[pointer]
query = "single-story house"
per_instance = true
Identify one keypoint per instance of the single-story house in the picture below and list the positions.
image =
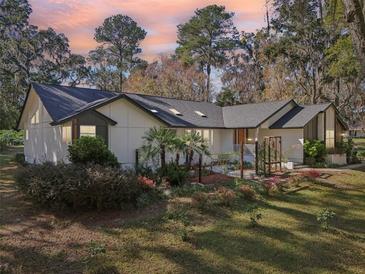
(53, 116)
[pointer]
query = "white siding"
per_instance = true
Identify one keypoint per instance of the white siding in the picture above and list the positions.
(291, 140)
(132, 124)
(44, 142)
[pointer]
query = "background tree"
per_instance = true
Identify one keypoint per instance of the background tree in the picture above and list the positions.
(121, 36)
(101, 74)
(28, 54)
(206, 39)
(168, 77)
(355, 15)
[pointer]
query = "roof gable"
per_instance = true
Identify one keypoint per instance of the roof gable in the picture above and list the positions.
(299, 116)
(62, 101)
(251, 115)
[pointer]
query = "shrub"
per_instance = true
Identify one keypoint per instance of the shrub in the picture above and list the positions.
(20, 159)
(311, 174)
(200, 200)
(11, 138)
(361, 154)
(91, 150)
(295, 180)
(80, 187)
(248, 192)
(271, 185)
(325, 216)
(255, 215)
(225, 196)
(315, 149)
(176, 175)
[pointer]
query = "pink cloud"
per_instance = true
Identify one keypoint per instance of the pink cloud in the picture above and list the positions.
(79, 18)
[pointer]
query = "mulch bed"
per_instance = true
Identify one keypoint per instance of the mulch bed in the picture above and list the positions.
(213, 179)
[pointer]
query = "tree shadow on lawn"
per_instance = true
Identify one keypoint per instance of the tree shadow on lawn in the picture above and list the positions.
(27, 259)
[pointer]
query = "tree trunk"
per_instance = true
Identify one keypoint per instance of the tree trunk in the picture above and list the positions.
(207, 94)
(320, 9)
(177, 159)
(121, 81)
(355, 16)
(163, 157)
(190, 159)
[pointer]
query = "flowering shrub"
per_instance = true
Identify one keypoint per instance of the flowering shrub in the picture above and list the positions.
(248, 192)
(295, 180)
(311, 174)
(200, 200)
(146, 181)
(271, 185)
(225, 196)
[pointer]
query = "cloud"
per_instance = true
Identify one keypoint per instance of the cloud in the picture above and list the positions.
(79, 18)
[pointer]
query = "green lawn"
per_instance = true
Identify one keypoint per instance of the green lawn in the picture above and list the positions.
(174, 237)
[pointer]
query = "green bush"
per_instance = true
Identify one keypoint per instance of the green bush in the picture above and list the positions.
(80, 187)
(314, 149)
(325, 216)
(91, 150)
(361, 154)
(11, 138)
(175, 174)
(20, 158)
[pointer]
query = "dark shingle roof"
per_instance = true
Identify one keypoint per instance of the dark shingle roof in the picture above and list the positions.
(62, 101)
(189, 118)
(250, 115)
(299, 116)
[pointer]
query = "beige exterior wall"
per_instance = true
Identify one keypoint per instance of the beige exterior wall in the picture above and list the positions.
(330, 127)
(292, 142)
(132, 124)
(43, 142)
(321, 126)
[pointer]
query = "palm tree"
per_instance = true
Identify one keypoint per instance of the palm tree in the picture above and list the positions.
(194, 143)
(158, 141)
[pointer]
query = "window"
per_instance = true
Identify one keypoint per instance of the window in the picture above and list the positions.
(88, 131)
(35, 118)
(201, 114)
(153, 110)
(66, 134)
(176, 112)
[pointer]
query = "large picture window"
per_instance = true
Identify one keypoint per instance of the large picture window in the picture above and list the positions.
(88, 131)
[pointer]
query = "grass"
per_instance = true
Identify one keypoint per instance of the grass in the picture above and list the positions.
(174, 237)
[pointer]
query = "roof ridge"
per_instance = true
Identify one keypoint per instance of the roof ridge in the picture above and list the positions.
(260, 103)
(64, 86)
(165, 97)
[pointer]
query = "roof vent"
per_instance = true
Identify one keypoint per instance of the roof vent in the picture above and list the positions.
(174, 111)
(201, 114)
(153, 110)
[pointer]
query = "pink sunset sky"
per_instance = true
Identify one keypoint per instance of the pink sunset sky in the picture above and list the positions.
(77, 19)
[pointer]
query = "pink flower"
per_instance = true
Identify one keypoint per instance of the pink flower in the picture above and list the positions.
(146, 181)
